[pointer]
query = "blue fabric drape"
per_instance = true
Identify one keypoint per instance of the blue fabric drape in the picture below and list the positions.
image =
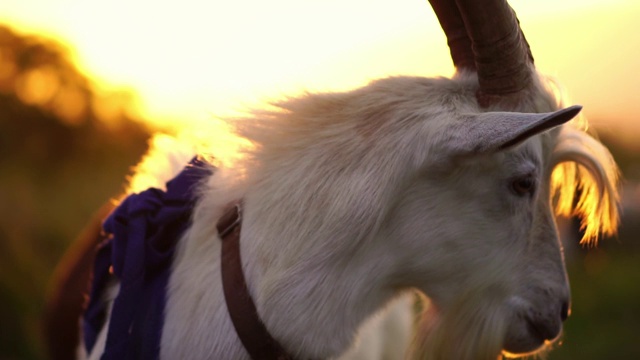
(143, 232)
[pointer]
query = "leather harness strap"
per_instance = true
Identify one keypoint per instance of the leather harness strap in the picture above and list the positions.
(252, 333)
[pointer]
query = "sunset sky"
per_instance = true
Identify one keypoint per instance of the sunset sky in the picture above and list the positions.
(189, 60)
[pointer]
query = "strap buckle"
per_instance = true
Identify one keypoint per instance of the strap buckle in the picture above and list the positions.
(230, 220)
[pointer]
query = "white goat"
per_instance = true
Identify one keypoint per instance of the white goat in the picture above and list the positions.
(351, 200)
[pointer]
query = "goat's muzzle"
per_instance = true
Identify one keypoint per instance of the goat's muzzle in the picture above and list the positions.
(534, 328)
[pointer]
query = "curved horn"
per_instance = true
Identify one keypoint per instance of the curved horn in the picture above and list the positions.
(457, 38)
(502, 55)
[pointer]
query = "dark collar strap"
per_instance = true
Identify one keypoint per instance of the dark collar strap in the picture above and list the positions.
(252, 333)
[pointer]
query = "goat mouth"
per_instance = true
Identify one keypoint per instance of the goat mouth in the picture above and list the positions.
(545, 334)
(536, 332)
(538, 337)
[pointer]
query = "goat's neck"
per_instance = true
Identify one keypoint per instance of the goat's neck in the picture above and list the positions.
(311, 297)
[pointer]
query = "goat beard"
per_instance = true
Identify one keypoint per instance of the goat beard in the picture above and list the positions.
(474, 328)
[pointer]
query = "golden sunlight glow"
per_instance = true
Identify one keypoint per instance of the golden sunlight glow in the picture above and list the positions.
(37, 86)
(584, 184)
(168, 154)
(154, 170)
(191, 60)
(590, 203)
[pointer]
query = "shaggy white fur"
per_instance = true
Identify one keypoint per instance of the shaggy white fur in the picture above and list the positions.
(353, 199)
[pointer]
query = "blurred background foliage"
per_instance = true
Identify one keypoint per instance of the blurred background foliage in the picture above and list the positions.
(66, 146)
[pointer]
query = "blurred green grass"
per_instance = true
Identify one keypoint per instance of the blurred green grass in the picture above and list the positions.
(606, 307)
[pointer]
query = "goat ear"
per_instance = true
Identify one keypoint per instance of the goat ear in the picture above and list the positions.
(494, 131)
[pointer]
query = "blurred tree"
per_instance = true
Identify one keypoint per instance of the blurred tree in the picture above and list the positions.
(65, 146)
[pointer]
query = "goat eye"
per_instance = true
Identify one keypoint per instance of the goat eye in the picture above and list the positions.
(524, 185)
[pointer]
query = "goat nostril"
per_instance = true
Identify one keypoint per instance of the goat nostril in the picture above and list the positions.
(565, 311)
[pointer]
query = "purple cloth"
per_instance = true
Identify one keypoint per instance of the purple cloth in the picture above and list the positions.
(144, 230)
